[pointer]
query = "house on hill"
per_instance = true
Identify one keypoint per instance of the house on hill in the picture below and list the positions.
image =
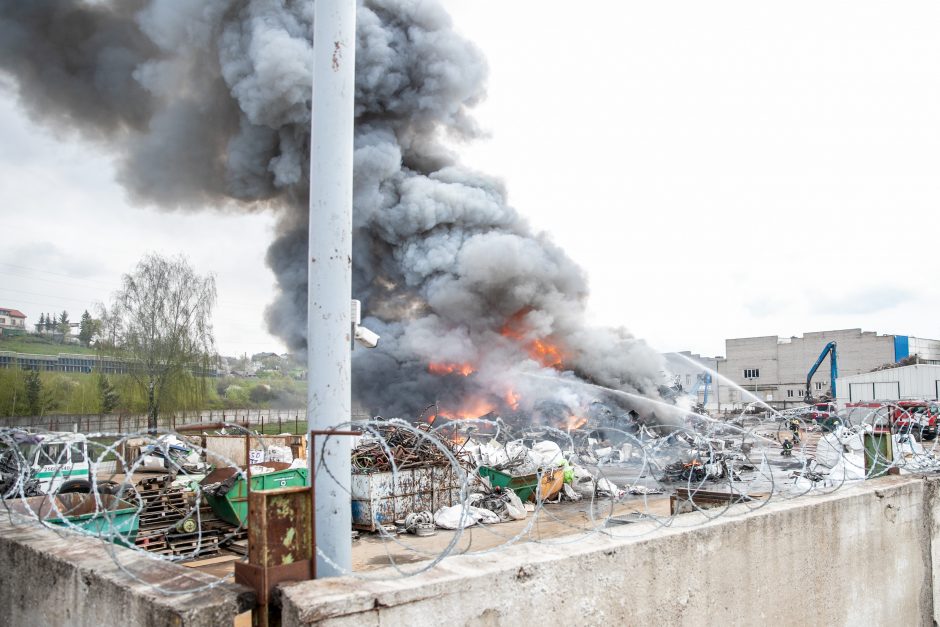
(12, 321)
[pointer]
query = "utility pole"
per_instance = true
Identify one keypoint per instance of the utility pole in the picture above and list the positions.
(329, 279)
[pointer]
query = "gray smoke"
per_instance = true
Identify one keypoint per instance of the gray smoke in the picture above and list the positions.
(208, 103)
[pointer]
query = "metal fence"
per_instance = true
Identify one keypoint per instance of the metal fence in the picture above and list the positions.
(264, 419)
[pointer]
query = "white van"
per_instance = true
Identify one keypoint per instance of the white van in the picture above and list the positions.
(57, 458)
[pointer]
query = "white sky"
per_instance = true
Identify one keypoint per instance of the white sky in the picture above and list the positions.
(720, 169)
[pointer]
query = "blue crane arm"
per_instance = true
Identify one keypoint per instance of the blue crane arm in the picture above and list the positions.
(830, 350)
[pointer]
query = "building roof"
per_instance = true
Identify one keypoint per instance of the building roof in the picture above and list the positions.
(16, 313)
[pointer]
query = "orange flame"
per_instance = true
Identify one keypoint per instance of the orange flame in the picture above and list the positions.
(470, 408)
(447, 368)
(575, 422)
(512, 399)
(539, 349)
(546, 354)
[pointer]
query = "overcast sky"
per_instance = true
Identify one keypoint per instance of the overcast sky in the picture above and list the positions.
(720, 169)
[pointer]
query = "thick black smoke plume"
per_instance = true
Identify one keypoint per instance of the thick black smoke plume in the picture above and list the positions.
(208, 104)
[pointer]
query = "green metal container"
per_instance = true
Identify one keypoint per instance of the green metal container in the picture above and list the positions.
(878, 453)
(522, 485)
(113, 518)
(227, 491)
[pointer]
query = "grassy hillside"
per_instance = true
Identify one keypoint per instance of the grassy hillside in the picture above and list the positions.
(80, 393)
(37, 345)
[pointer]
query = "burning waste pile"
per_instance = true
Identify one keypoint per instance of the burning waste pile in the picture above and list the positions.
(460, 473)
(406, 477)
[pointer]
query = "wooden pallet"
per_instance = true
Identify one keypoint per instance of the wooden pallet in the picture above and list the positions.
(165, 507)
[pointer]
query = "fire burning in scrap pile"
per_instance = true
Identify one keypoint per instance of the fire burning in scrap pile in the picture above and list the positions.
(208, 104)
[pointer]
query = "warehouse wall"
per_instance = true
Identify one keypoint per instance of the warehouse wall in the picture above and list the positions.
(862, 555)
(907, 382)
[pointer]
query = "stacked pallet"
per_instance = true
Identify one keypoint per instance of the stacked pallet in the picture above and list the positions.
(169, 524)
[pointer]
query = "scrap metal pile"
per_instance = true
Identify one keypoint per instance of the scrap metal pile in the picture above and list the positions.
(408, 449)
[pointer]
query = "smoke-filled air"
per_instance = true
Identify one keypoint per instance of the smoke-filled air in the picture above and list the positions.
(207, 104)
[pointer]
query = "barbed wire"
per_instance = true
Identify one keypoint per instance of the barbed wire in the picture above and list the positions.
(101, 484)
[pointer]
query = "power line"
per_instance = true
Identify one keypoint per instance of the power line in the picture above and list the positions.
(10, 289)
(68, 276)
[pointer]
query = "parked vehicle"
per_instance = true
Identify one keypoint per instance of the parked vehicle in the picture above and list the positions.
(50, 460)
(919, 418)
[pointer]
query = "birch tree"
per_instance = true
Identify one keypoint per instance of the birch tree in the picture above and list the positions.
(162, 325)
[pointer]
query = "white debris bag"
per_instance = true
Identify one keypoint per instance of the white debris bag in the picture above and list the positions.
(608, 487)
(547, 453)
(492, 454)
(568, 492)
(450, 517)
(850, 467)
(829, 450)
(603, 452)
(583, 482)
(514, 508)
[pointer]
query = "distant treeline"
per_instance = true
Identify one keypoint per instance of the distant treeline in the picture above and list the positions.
(37, 393)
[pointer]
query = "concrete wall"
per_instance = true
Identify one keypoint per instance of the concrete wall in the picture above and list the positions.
(51, 580)
(860, 556)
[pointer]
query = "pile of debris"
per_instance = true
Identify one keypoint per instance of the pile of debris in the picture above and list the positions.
(408, 450)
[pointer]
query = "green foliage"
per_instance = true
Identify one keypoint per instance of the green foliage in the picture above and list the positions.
(93, 393)
(88, 329)
(107, 396)
(236, 394)
(33, 393)
(12, 392)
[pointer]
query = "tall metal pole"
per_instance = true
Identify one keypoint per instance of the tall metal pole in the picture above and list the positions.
(329, 280)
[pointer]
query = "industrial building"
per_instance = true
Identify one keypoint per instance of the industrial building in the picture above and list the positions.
(774, 369)
(919, 381)
(71, 362)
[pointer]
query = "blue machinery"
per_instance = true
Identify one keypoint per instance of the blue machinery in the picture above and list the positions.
(829, 350)
(701, 379)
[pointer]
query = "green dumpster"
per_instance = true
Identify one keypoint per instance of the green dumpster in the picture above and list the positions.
(108, 517)
(522, 485)
(227, 491)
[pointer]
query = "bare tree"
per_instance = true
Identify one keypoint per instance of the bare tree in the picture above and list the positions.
(161, 320)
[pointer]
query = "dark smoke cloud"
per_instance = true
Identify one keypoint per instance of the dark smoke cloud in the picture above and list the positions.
(208, 103)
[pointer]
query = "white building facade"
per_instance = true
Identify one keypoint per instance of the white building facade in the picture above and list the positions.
(773, 370)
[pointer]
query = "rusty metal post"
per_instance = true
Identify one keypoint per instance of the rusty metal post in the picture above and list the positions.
(278, 551)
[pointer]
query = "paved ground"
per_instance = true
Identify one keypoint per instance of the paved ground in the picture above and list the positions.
(373, 551)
